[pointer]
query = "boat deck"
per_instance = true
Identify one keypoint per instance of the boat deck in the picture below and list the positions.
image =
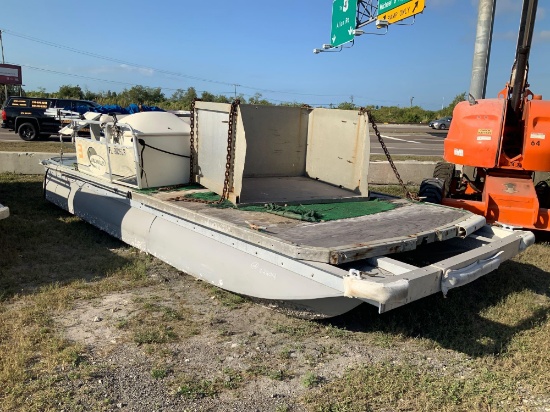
(337, 241)
(401, 229)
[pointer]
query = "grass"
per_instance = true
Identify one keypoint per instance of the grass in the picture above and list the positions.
(394, 190)
(484, 347)
(49, 260)
(310, 380)
(495, 325)
(154, 334)
(227, 299)
(158, 373)
(193, 389)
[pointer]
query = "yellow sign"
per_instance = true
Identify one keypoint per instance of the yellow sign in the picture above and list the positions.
(404, 11)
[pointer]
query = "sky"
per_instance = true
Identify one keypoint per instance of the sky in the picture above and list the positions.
(246, 47)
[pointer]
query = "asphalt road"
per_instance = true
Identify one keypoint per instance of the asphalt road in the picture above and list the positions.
(7, 135)
(418, 140)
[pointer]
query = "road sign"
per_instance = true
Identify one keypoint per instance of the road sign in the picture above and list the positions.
(344, 13)
(402, 12)
(387, 5)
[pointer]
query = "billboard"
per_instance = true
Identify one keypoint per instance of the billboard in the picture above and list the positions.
(10, 74)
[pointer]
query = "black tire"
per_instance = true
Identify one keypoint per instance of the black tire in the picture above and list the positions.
(27, 132)
(431, 191)
(444, 171)
(543, 194)
(442, 126)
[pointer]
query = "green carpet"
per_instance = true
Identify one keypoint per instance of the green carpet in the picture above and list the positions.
(318, 212)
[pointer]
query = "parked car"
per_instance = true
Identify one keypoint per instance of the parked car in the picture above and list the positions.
(442, 124)
(27, 116)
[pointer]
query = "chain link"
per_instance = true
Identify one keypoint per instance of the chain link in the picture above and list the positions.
(408, 194)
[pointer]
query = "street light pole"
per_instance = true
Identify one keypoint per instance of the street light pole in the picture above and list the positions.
(482, 48)
(3, 61)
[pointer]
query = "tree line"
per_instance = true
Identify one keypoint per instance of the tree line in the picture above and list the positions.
(181, 100)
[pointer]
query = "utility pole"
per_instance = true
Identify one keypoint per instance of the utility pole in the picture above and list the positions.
(482, 49)
(412, 101)
(235, 89)
(3, 61)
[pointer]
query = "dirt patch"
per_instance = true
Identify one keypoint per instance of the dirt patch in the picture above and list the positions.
(225, 356)
(92, 323)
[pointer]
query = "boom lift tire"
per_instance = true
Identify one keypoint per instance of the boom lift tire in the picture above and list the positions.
(445, 172)
(543, 193)
(431, 190)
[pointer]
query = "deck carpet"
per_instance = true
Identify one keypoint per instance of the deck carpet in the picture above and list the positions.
(317, 212)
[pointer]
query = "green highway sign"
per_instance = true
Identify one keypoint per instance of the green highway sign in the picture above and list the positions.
(343, 21)
(387, 5)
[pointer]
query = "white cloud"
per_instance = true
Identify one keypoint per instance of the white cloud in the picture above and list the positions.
(120, 68)
(141, 70)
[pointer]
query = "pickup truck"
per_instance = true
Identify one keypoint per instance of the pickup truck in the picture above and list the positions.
(27, 116)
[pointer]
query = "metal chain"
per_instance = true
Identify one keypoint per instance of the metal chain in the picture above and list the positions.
(192, 142)
(230, 130)
(225, 193)
(408, 194)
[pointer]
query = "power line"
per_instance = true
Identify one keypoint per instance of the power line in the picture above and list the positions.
(111, 59)
(167, 72)
(162, 71)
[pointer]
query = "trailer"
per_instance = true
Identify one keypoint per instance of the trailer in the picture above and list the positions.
(272, 203)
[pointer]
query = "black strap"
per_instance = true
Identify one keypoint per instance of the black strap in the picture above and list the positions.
(142, 142)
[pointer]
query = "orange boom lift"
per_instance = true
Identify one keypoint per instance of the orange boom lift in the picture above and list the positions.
(500, 144)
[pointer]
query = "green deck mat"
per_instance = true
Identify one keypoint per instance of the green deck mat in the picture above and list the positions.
(318, 212)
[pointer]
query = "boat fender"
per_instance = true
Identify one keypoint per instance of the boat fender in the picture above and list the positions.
(382, 293)
(453, 278)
